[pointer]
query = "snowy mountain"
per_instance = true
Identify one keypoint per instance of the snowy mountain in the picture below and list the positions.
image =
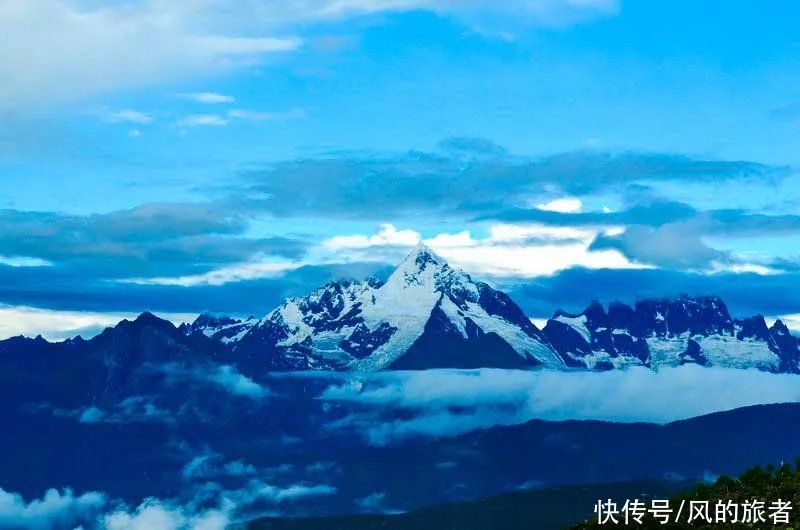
(426, 315)
(430, 315)
(658, 333)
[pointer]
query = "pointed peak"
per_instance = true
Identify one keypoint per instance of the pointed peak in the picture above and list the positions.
(595, 308)
(147, 316)
(421, 255)
(149, 319)
(212, 319)
(779, 327)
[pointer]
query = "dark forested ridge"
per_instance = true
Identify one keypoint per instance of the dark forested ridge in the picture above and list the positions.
(554, 508)
(540, 509)
(768, 484)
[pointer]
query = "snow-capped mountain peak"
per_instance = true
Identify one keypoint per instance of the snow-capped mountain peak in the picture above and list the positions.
(426, 314)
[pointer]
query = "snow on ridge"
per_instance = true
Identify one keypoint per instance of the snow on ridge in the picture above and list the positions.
(577, 323)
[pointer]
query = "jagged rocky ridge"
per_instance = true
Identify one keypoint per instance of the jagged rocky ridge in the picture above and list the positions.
(427, 314)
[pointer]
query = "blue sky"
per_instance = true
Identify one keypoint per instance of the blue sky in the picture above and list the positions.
(186, 156)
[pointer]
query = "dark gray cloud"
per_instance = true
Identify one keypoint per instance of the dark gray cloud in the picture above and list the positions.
(677, 245)
(461, 180)
(573, 289)
(655, 212)
(681, 243)
(742, 223)
(69, 289)
(159, 239)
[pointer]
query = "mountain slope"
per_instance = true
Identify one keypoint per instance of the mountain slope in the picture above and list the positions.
(112, 364)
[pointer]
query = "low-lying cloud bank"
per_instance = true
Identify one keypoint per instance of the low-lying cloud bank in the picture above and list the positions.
(54, 510)
(390, 405)
(212, 508)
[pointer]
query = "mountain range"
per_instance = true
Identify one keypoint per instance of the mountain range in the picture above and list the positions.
(428, 314)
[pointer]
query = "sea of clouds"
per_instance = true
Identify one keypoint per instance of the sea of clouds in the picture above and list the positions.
(391, 405)
(385, 407)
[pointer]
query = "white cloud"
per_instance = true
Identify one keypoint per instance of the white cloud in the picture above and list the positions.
(24, 261)
(563, 205)
(210, 465)
(372, 501)
(294, 492)
(203, 120)
(55, 509)
(59, 325)
(524, 250)
(156, 515)
(507, 233)
(461, 239)
(62, 50)
(534, 259)
(228, 378)
(487, 397)
(128, 115)
(209, 98)
(538, 12)
(743, 268)
(387, 235)
(58, 50)
(223, 376)
(216, 510)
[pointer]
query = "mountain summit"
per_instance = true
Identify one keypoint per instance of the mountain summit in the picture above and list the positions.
(426, 315)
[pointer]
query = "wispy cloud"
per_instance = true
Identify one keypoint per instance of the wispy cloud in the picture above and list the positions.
(211, 465)
(222, 376)
(129, 116)
(251, 270)
(208, 98)
(252, 115)
(203, 120)
(200, 120)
